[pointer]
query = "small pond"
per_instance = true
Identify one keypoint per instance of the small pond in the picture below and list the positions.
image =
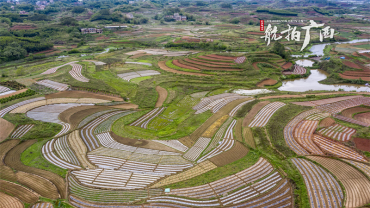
(312, 83)
(304, 62)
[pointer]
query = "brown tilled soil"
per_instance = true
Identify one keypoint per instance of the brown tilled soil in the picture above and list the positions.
(81, 94)
(142, 143)
(365, 54)
(223, 111)
(215, 59)
(205, 64)
(7, 173)
(351, 65)
(349, 112)
(287, 65)
(39, 184)
(187, 141)
(326, 122)
(75, 115)
(22, 193)
(177, 63)
(162, 65)
(213, 62)
(221, 57)
(125, 106)
(267, 82)
(162, 95)
(237, 152)
(253, 112)
(5, 147)
(364, 117)
(14, 93)
(201, 66)
(6, 128)
(13, 160)
(362, 144)
(354, 77)
(102, 38)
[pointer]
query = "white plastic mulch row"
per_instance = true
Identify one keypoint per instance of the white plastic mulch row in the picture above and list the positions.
(194, 152)
(318, 116)
(337, 149)
(226, 144)
(76, 73)
(341, 105)
(339, 132)
(10, 108)
(21, 130)
(140, 63)
(219, 135)
(7, 92)
(240, 60)
(53, 85)
(303, 133)
(145, 123)
(114, 179)
(107, 141)
(113, 163)
(207, 100)
(3, 89)
(233, 111)
(264, 115)
(299, 70)
(216, 104)
(351, 120)
(65, 128)
(289, 130)
(319, 183)
(53, 70)
(47, 152)
(43, 205)
(87, 133)
(144, 117)
(175, 144)
(131, 75)
(64, 151)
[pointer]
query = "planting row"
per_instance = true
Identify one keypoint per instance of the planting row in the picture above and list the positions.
(131, 75)
(53, 85)
(303, 133)
(48, 153)
(350, 120)
(76, 73)
(175, 144)
(194, 152)
(53, 70)
(265, 114)
(216, 102)
(341, 105)
(21, 130)
(338, 132)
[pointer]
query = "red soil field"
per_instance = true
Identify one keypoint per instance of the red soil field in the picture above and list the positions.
(354, 77)
(365, 54)
(210, 58)
(364, 117)
(355, 54)
(287, 65)
(351, 65)
(266, 82)
(177, 63)
(222, 57)
(204, 64)
(362, 144)
(216, 68)
(211, 62)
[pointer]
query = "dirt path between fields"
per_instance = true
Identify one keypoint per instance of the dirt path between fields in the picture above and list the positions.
(162, 95)
(5, 128)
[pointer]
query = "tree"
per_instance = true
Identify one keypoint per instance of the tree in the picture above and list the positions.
(280, 50)
(184, 3)
(70, 21)
(78, 9)
(14, 51)
(201, 3)
(226, 5)
(235, 21)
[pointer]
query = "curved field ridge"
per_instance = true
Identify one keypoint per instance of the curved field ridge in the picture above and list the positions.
(226, 144)
(93, 116)
(21, 130)
(109, 196)
(197, 170)
(78, 146)
(131, 75)
(53, 85)
(87, 131)
(357, 186)
(343, 118)
(53, 70)
(338, 132)
(107, 141)
(24, 194)
(365, 168)
(218, 136)
(216, 102)
(363, 117)
(289, 129)
(145, 124)
(162, 95)
(48, 153)
(76, 73)
(323, 190)
(163, 66)
(144, 117)
(10, 108)
(175, 144)
(233, 111)
(261, 169)
(194, 152)
(7, 201)
(177, 63)
(337, 149)
(326, 101)
(341, 105)
(43, 205)
(349, 112)
(303, 133)
(115, 179)
(107, 124)
(265, 114)
(317, 116)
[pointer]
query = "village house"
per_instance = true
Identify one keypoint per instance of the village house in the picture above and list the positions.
(90, 30)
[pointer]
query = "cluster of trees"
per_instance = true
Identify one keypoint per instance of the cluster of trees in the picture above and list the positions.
(14, 48)
(279, 49)
(277, 12)
(105, 14)
(21, 95)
